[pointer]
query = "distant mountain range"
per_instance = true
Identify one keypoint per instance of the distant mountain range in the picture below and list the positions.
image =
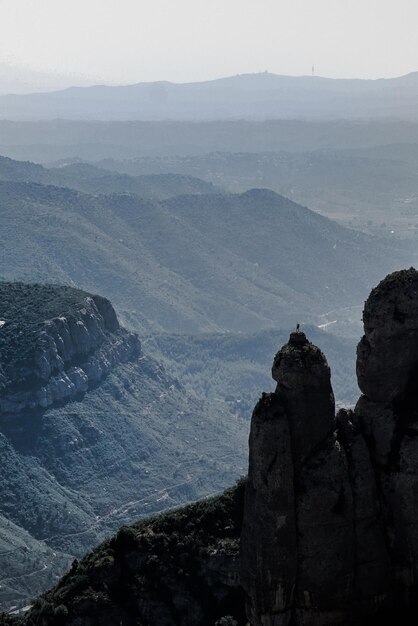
(247, 96)
(63, 140)
(97, 180)
(190, 263)
(373, 190)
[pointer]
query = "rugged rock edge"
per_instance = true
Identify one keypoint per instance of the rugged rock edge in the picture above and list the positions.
(72, 352)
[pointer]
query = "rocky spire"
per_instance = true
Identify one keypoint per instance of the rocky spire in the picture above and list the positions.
(297, 557)
(304, 382)
(330, 525)
(387, 371)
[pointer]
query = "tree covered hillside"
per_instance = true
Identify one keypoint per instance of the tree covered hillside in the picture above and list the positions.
(179, 567)
(97, 180)
(129, 442)
(235, 262)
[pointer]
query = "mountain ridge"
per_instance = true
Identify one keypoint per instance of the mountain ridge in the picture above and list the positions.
(122, 245)
(245, 96)
(53, 140)
(210, 274)
(96, 180)
(99, 435)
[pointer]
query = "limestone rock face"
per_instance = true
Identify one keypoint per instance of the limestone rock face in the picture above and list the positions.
(70, 353)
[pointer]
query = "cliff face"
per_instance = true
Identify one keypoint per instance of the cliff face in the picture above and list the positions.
(387, 370)
(94, 434)
(330, 528)
(43, 362)
(298, 525)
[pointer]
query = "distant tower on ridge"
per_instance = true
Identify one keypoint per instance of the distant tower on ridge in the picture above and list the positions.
(313, 70)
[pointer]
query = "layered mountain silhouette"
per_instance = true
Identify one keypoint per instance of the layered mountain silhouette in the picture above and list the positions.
(246, 96)
(369, 189)
(64, 140)
(97, 180)
(205, 262)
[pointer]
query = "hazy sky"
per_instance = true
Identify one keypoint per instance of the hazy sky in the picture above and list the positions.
(181, 40)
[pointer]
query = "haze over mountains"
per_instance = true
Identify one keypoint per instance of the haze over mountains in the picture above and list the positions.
(95, 180)
(370, 189)
(246, 96)
(211, 238)
(205, 262)
(177, 255)
(15, 79)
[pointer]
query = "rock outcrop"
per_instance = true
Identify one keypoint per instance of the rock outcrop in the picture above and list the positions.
(330, 530)
(63, 355)
(387, 371)
(134, 443)
(298, 525)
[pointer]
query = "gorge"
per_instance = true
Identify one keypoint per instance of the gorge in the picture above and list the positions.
(323, 531)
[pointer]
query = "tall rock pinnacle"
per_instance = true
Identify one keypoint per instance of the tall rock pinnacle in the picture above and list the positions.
(330, 531)
(387, 371)
(297, 538)
(303, 381)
